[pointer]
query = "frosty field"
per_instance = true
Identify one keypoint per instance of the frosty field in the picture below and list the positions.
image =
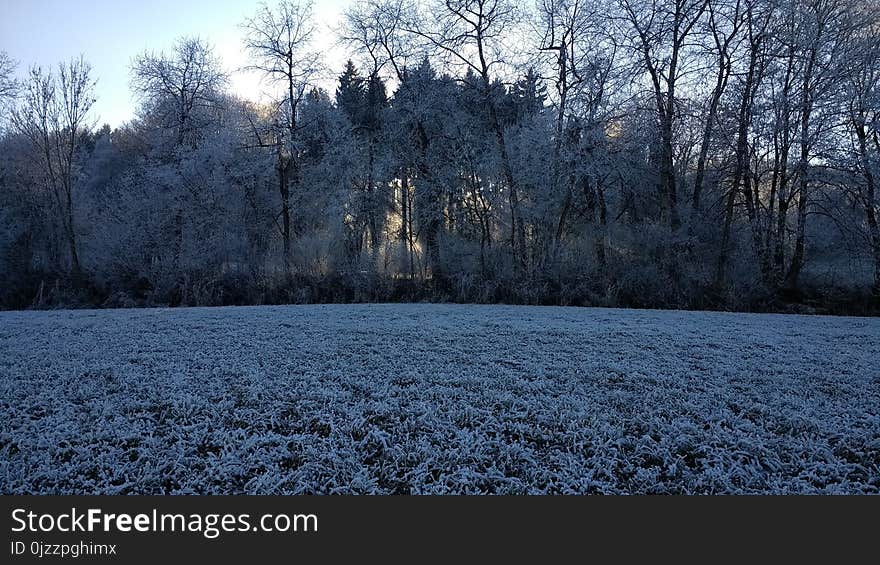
(437, 399)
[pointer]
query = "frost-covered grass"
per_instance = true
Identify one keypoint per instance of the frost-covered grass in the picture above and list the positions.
(437, 399)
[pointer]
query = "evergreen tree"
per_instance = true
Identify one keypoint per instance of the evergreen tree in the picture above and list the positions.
(350, 93)
(528, 95)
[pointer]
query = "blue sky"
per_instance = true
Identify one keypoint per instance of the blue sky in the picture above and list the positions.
(109, 33)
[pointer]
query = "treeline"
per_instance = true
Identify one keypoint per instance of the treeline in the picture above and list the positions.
(684, 154)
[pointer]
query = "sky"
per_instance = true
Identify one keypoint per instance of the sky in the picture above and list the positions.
(110, 33)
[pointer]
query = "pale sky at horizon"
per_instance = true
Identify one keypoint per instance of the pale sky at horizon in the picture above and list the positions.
(109, 34)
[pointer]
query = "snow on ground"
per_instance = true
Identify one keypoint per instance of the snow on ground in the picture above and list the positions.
(437, 399)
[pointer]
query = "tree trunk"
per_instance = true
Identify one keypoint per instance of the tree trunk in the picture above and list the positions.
(723, 257)
(720, 83)
(668, 173)
(284, 189)
(603, 227)
(875, 244)
(741, 170)
(797, 258)
(869, 201)
(562, 87)
(517, 231)
(784, 198)
(403, 234)
(71, 239)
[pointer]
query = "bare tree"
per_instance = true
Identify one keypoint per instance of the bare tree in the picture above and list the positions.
(374, 28)
(53, 115)
(8, 84)
(585, 69)
(824, 29)
(279, 39)
(183, 86)
(862, 94)
(756, 24)
(661, 29)
(784, 129)
(564, 22)
(725, 21)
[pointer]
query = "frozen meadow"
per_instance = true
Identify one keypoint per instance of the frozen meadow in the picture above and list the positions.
(437, 399)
